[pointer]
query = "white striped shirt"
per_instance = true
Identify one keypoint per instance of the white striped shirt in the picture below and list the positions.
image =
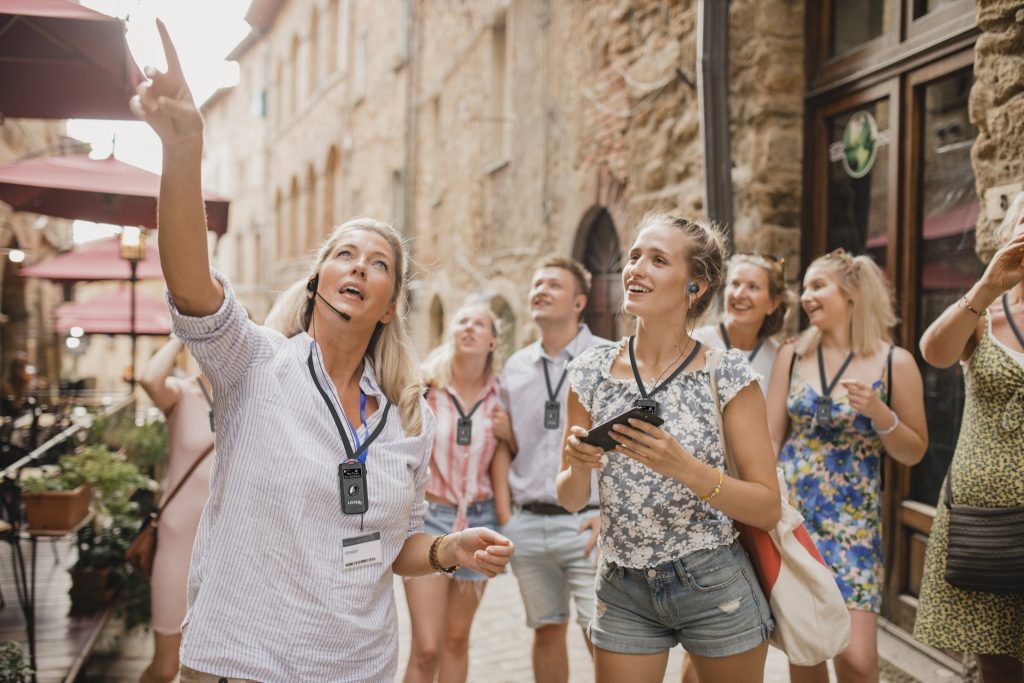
(524, 390)
(268, 596)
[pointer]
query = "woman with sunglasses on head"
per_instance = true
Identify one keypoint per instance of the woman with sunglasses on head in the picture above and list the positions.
(982, 330)
(840, 396)
(462, 392)
(756, 301)
(670, 558)
(323, 439)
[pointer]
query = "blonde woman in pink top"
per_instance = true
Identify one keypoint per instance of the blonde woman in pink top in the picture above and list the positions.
(189, 410)
(471, 426)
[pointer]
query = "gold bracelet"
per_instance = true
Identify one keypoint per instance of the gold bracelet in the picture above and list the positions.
(434, 564)
(964, 303)
(718, 487)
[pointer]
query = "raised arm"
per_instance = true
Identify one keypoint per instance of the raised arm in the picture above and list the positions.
(165, 103)
(154, 376)
(954, 334)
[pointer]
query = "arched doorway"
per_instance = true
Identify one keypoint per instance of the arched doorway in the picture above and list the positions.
(506, 329)
(597, 248)
(436, 322)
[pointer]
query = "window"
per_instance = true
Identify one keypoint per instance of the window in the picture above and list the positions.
(310, 227)
(330, 190)
(398, 199)
(332, 37)
(855, 22)
(436, 322)
(499, 91)
(293, 84)
(314, 49)
(294, 245)
(360, 84)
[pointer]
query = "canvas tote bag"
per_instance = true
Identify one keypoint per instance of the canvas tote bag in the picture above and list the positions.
(812, 622)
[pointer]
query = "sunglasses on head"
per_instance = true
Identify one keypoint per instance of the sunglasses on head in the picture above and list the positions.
(773, 259)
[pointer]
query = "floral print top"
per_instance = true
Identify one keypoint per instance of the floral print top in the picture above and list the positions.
(648, 519)
(834, 479)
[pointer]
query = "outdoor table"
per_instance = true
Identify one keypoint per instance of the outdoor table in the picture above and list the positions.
(25, 582)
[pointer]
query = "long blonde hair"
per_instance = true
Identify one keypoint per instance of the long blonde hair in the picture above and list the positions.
(872, 315)
(391, 352)
(437, 368)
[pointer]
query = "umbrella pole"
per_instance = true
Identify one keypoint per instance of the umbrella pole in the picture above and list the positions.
(134, 278)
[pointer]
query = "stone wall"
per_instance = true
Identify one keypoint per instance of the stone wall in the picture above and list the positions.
(26, 305)
(997, 105)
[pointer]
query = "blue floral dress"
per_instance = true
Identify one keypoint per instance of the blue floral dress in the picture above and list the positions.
(834, 479)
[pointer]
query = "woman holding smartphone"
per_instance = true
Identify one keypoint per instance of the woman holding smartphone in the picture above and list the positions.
(670, 558)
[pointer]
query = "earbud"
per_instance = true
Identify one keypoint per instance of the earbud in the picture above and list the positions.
(311, 285)
(692, 288)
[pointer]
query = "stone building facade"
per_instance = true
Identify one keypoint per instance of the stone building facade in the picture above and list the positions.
(26, 305)
(493, 132)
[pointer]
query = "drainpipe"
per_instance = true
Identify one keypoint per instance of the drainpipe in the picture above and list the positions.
(713, 96)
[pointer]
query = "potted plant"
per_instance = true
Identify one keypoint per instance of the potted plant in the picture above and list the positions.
(13, 667)
(55, 500)
(100, 569)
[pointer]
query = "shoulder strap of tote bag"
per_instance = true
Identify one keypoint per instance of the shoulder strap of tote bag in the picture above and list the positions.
(184, 479)
(711, 364)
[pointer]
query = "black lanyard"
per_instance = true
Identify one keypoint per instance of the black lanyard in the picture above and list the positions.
(823, 407)
(209, 402)
(1013, 323)
(552, 407)
(464, 426)
(646, 402)
(361, 452)
(728, 344)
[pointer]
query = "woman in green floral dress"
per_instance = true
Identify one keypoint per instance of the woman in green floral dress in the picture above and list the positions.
(831, 434)
(988, 465)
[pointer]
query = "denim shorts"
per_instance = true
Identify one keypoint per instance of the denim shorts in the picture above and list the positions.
(553, 573)
(440, 519)
(708, 601)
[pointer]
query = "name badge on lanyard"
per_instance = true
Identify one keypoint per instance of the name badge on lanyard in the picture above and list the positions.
(360, 551)
(352, 475)
(552, 407)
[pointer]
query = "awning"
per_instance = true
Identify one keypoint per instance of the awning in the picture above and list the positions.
(99, 261)
(955, 220)
(99, 190)
(59, 60)
(110, 313)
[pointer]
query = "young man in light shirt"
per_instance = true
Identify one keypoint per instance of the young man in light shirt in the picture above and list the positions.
(554, 560)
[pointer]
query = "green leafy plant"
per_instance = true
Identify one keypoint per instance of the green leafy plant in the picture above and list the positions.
(13, 667)
(114, 480)
(146, 444)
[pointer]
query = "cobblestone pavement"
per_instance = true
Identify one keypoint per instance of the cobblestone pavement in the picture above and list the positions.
(499, 649)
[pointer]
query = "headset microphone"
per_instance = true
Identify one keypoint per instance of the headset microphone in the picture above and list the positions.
(312, 286)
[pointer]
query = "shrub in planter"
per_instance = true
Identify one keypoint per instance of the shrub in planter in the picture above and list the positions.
(13, 667)
(56, 500)
(100, 570)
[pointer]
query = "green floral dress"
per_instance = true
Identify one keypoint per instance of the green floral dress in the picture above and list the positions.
(834, 481)
(988, 470)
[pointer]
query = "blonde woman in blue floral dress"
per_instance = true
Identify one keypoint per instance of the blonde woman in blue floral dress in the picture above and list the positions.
(833, 432)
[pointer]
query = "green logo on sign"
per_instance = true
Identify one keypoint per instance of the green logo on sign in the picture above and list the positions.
(860, 144)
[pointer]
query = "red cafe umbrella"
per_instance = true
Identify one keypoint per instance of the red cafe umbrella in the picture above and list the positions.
(99, 190)
(109, 313)
(59, 60)
(99, 261)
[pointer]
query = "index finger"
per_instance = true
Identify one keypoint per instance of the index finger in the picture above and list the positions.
(644, 426)
(170, 53)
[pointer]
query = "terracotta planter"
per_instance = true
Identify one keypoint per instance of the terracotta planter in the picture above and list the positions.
(92, 589)
(57, 510)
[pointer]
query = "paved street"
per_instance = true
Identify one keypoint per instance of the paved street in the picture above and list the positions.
(500, 650)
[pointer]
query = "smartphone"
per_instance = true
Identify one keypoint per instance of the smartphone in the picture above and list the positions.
(601, 434)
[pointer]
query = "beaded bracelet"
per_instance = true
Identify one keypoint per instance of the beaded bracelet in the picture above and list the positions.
(434, 564)
(718, 487)
(964, 303)
(890, 430)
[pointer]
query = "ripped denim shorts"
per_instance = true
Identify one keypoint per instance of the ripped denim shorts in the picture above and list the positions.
(708, 601)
